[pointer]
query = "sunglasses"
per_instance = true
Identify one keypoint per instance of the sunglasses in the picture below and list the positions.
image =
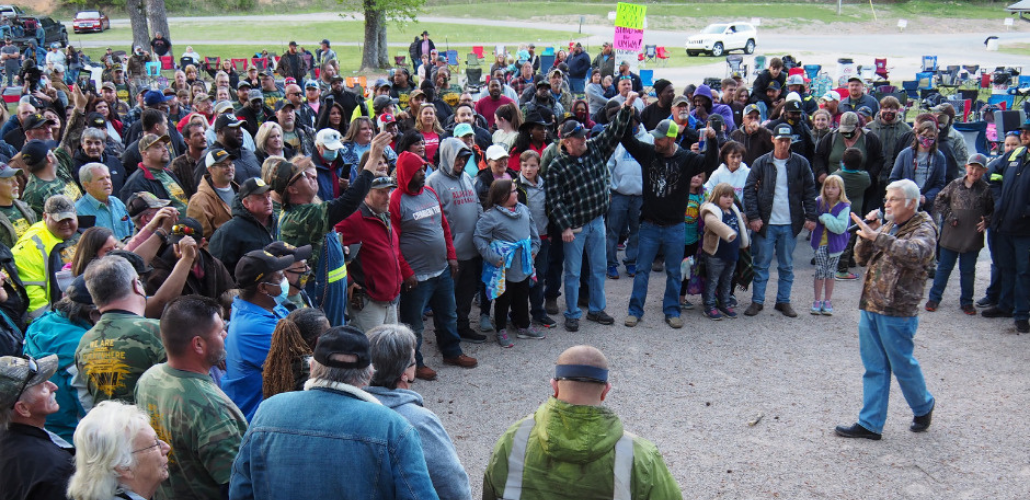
(33, 371)
(183, 229)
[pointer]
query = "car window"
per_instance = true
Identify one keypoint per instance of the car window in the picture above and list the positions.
(87, 15)
(745, 27)
(715, 29)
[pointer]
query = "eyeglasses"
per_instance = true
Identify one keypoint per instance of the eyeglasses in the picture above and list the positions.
(294, 93)
(306, 269)
(33, 370)
(572, 132)
(157, 444)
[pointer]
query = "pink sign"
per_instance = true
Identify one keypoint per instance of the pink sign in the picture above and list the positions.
(629, 39)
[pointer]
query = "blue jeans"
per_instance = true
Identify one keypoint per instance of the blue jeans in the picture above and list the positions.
(994, 288)
(718, 281)
(1014, 270)
(623, 210)
(555, 263)
(670, 240)
(778, 239)
(437, 292)
(886, 345)
(577, 84)
(967, 274)
(536, 288)
(590, 238)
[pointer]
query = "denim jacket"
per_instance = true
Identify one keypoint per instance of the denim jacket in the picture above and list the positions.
(331, 440)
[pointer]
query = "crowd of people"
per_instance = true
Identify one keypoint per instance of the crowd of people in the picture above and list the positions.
(207, 287)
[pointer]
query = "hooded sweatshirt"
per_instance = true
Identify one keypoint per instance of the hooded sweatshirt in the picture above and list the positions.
(535, 198)
(504, 224)
(715, 108)
(418, 218)
(450, 480)
(457, 197)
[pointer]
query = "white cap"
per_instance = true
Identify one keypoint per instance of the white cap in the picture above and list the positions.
(329, 138)
(496, 152)
(793, 96)
(832, 96)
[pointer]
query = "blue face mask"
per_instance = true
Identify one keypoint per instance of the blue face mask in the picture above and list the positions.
(284, 292)
(330, 155)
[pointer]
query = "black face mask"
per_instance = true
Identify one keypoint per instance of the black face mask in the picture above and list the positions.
(847, 135)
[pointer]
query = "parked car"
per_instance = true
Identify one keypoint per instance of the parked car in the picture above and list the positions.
(718, 39)
(11, 11)
(44, 30)
(88, 21)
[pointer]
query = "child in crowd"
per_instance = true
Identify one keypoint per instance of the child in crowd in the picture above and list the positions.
(725, 234)
(829, 239)
(507, 238)
(733, 170)
(531, 193)
(856, 181)
(692, 282)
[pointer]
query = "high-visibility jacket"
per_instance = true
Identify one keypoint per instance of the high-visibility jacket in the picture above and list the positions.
(37, 262)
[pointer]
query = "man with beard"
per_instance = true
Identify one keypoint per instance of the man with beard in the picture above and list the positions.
(686, 123)
(152, 176)
(297, 135)
(188, 166)
(152, 122)
(757, 140)
(605, 61)
(229, 136)
(793, 117)
(496, 98)
(543, 98)
(187, 409)
(255, 112)
(660, 109)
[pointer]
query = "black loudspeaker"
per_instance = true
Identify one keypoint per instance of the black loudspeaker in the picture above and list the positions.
(1007, 121)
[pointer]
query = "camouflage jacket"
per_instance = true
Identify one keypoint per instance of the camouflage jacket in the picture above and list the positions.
(114, 354)
(960, 209)
(202, 425)
(897, 262)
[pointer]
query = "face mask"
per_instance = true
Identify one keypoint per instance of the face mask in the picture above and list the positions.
(926, 142)
(329, 155)
(888, 117)
(284, 292)
(944, 121)
(847, 135)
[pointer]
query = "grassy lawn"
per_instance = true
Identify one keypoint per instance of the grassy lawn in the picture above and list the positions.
(1019, 49)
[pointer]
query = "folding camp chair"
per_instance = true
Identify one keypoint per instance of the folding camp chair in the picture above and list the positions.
(948, 78)
(647, 81)
(153, 69)
(881, 68)
(478, 51)
(401, 59)
(548, 51)
(735, 64)
(167, 63)
(970, 74)
(663, 55)
(1003, 101)
(1021, 91)
(547, 60)
(911, 89)
(925, 80)
(812, 70)
(211, 64)
(759, 64)
(261, 63)
(650, 53)
(452, 60)
(975, 134)
(240, 65)
(930, 63)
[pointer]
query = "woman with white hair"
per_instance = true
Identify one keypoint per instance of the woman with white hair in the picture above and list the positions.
(117, 455)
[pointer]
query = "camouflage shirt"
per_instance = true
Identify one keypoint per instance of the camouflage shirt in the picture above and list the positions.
(114, 354)
(37, 191)
(202, 425)
(306, 225)
(898, 260)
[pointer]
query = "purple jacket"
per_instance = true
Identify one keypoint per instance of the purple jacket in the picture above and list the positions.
(715, 108)
(837, 235)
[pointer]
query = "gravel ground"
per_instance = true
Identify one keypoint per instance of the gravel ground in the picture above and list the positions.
(693, 391)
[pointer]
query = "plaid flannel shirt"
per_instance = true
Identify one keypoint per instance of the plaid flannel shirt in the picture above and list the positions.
(578, 187)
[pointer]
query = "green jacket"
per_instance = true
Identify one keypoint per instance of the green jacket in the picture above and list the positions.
(572, 452)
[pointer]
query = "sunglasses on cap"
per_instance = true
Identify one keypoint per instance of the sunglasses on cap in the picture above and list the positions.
(33, 370)
(573, 132)
(183, 229)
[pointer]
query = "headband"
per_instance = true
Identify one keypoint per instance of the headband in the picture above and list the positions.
(581, 373)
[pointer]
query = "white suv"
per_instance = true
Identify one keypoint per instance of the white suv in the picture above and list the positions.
(718, 39)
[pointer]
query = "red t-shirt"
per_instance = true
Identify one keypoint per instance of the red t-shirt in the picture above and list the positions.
(432, 144)
(487, 106)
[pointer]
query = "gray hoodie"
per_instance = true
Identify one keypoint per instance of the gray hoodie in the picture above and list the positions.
(536, 201)
(627, 176)
(445, 470)
(499, 223)
(458, 198)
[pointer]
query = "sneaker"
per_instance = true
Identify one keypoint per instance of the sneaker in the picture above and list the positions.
(969, 309)
(551, 306)
(733, 301)
(503, 339)
(922, 423)
(713, 313)
(613, 272)
(728, 312)
(425, 373)
(572, 324)
(601, 317)
(470, 336)
(545, 321)
(985, 303)
(827, 308)
(685, 305)
(620, 246)
(931, 305)
(817, 308)
(786, 309)
(674, 321)
(631, 270)
(813, 261)
(1022, 326)
(995, 312)
(530, 333)
(485, 323)
(856, 431)
(848, 276)
(657, 267)
(631, 321)
(754, 309)
(462, 361)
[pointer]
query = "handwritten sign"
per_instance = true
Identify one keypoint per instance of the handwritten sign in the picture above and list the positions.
(628, 15)
(629, 39)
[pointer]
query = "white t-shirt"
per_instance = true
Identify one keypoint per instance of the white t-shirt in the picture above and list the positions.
(781, 201)
(736, 179)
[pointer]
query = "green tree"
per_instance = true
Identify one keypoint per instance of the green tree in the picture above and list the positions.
(378, 13)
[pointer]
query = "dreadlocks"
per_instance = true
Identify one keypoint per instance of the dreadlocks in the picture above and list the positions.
(286, 368)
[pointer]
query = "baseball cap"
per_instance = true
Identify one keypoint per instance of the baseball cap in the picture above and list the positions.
(142, 201)
(149, 140)
(289, 80)
(336, 78)
(258, 265)
(227, 120)
(795, 80)
(680, 99)
(325, 41)
(441, 58)
(7, 171)
(215, 156)
(293, 43)
(751, 108)
(244, 83)
(382, 82)
(783, 131)
(571, 128)
(543, 83)
(1025, 125)
(496, 152)
(141, 267)
(187, 226)
(222, 107)
(416, 93)
(773, 85)
(977, 159)
(154, 97)
(463, 129)
(848, 122)
(665, 128)
(385, 119)
(18, 374)
(282, 249)
(865, 111)
(255, 95)
(36, 121)
(792, 106)
(329, 138)
(96, 120)
(108, 86)
(78, 292)
(311, 84)
(831, 96)
(555, 72)
(34, 152)
(254, 185)
(855, 78)
(383, 182)
(381, 102)
(168, 91)
(345, 340)
(59, 207)
(282, 104)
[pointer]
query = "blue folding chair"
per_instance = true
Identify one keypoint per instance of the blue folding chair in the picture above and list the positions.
(153, 69)
(647, 81)
(925, 80)
(930, 63)
(812, 70)
(911, 89)
(547, 60)
(975, 134)
(997, 99)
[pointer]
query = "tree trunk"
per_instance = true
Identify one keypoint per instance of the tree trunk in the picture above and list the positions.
(158, 18)
(385, 60)
(373, 21)
(138, 20)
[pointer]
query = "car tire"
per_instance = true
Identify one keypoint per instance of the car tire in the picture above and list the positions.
(717, 49)
(692, 53)
(750, 47)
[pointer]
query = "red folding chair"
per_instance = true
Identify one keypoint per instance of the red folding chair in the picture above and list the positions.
(167, 63)
(795, 71)
(240, 65)
(478, 51)
(260, 63)
(663, 56)
(211, 64)
(881, 68)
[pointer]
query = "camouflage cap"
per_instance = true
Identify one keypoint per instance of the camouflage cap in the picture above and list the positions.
(59, 207)
(142, 201)
(150, 139)
(18, 374)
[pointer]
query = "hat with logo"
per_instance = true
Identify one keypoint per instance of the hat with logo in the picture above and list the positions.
(34, 152)
(311, 84)
(848, 122)
(381, 102)
(496, 152)
(384, 182)
(555, 71)
(795, 80)
(751, 108)
(244, 83)
(329, 138)
(282, 249)
(416, 93)
(7, 171)
(977, 159)
(773, 85)
(571, 128)
(254, 185)
(154, 97)
(257, 265)
(285, 175)
(36, 121)
(346, 341)
(108, 86)
(20, 373)
(543, 82)
(282, 104)
(783, 132)
(382, 82)
(142, 201)
(187, 226)
(336, 78)
(255, 95)
(855, 78)
(222, 107)
(215, 156)
(149, 140)
(792, 107)
(665, 128)
(385, 119)
(865, 111)
(289, 80)
(831, 96)
(463, 129)
(96, 120)
(227, 120)
(680, 99)
(59, 207)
